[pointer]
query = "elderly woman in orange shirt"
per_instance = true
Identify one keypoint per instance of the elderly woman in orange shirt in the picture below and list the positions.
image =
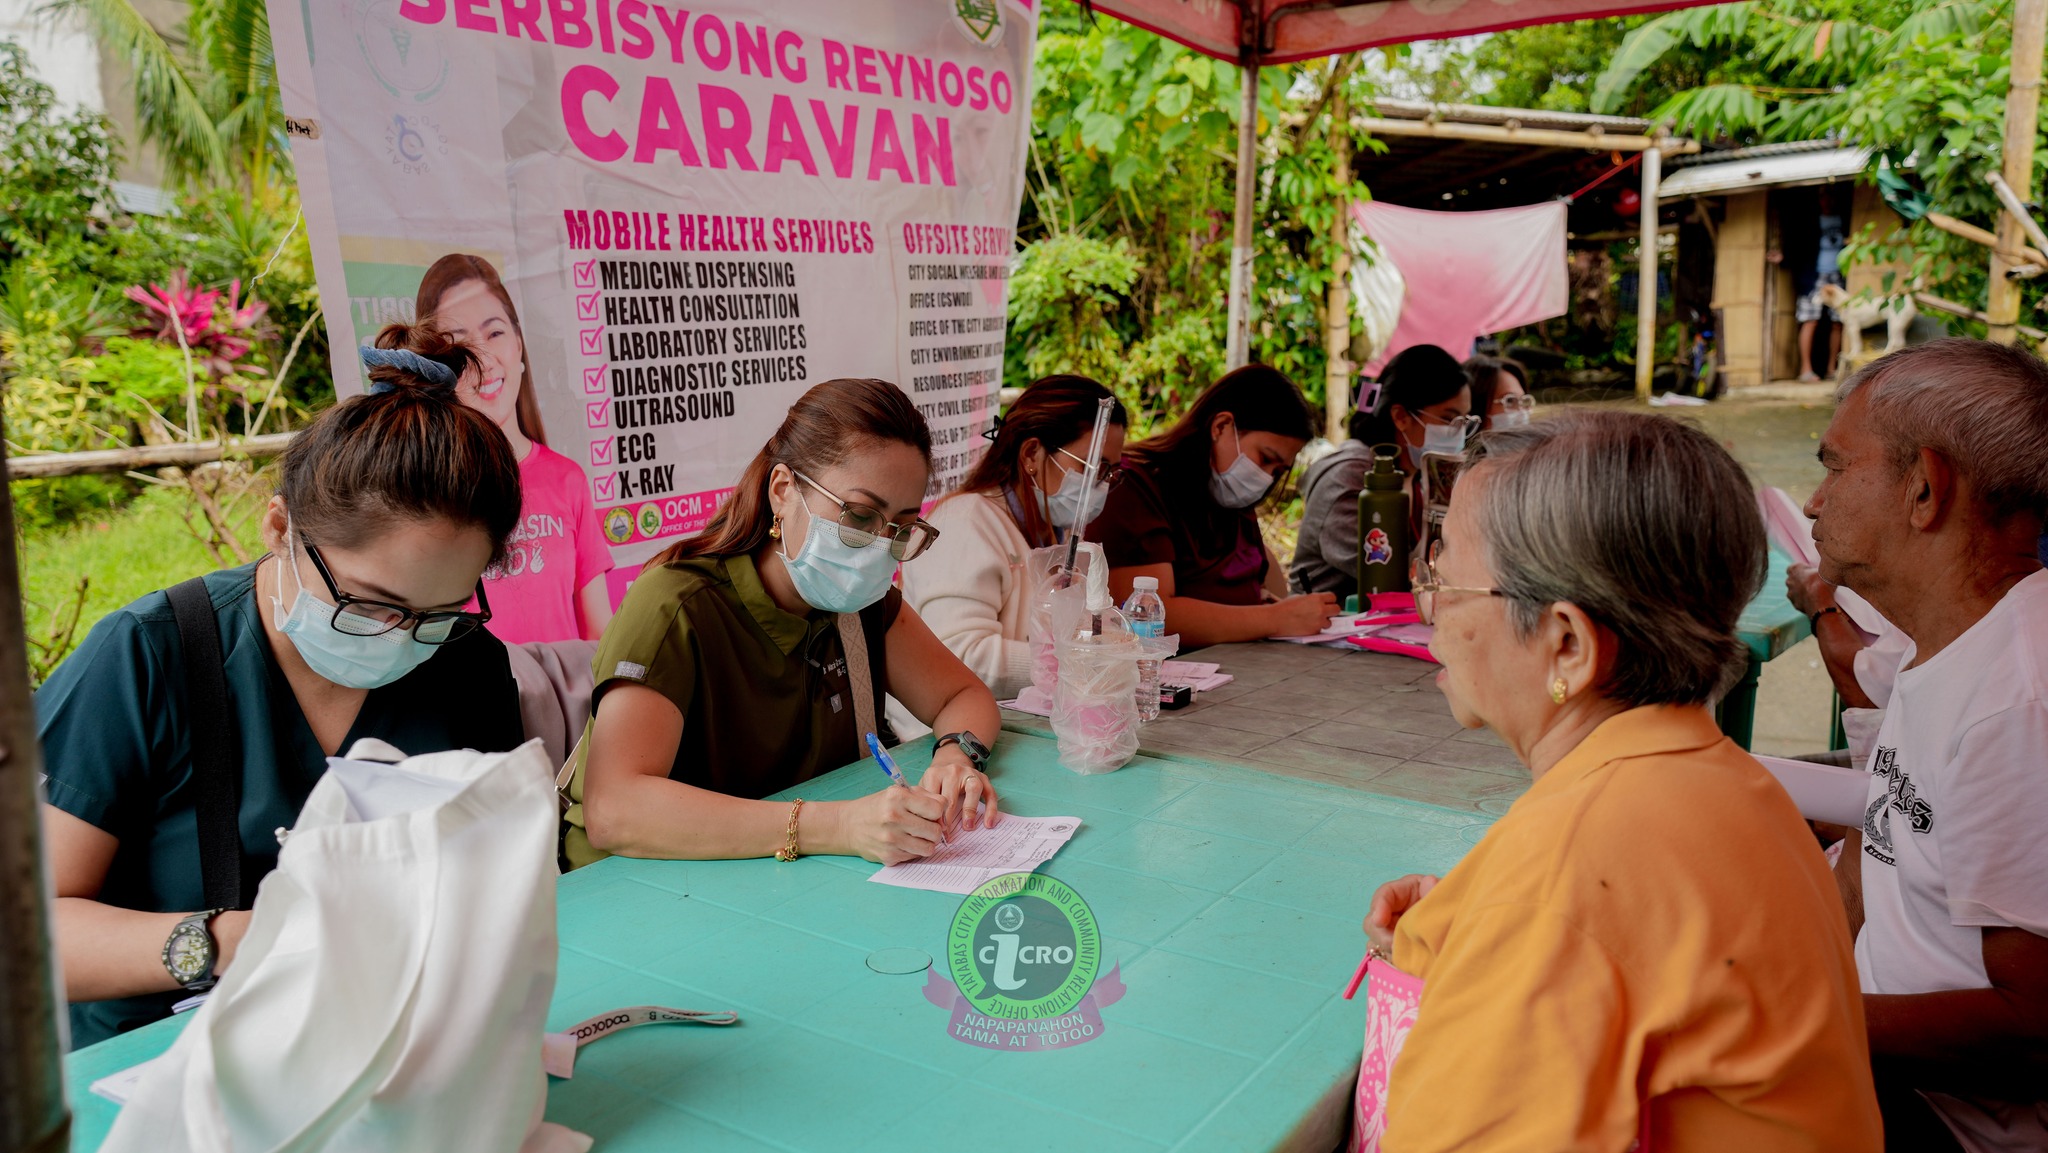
(1649, 939)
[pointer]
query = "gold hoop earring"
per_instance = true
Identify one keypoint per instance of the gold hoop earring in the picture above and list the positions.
(775, 530)
(1558, 690)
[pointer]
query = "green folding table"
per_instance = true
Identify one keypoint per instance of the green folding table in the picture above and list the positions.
(1229, 899)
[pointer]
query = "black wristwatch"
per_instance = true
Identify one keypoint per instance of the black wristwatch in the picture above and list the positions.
(969, 744)
(190, 953)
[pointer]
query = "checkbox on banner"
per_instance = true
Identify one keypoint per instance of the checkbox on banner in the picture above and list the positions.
(593, 378)
(586, 305)
(601, 451)
(599, 413)
(586, 274)
(607, 486)
(593, 340)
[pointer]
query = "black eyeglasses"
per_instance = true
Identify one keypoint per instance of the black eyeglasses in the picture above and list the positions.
(362, 617)
(861, 526)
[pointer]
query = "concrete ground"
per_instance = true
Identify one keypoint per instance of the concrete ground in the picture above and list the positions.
(1775, 431)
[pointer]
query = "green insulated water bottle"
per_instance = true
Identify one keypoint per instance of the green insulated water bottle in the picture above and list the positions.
(1382, 527)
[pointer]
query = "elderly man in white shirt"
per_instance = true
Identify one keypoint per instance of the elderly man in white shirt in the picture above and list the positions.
(1935, 497)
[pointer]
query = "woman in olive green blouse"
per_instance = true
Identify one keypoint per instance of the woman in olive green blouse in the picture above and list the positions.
(724, 677)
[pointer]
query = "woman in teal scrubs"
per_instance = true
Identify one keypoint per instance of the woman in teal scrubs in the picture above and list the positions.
(351, 625)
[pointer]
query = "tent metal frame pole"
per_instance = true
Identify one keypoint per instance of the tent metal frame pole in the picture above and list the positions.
(1646, 276)
(1239, 344)
(34, 1117)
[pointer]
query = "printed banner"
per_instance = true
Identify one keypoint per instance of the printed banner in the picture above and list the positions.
(661, 225)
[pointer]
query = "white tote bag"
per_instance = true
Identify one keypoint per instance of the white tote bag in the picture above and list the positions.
(391, 991)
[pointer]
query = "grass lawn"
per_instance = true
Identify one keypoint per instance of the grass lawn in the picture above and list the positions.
(123, 555)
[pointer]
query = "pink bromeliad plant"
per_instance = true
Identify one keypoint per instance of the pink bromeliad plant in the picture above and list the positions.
(218, 327)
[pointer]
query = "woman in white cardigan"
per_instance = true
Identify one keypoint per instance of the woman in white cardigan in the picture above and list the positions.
(1026, 493)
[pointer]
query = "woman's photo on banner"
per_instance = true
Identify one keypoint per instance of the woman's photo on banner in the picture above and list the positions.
(551, 584)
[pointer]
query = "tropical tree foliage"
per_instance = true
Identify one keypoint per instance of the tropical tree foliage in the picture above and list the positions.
(1920, 83)
(206, 92)
(1125, 270)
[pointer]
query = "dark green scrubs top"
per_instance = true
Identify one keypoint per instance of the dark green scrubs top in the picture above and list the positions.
(115, 729)
(765, 695)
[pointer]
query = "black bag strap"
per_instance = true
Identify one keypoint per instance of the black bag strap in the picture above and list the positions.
(216, 758)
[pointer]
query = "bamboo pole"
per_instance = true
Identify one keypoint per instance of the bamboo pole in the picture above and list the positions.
(1646, 277)
(2022, 122)
(1938, 304)
(1514, 134)
(2014, 257)
(1337, 314)
(1239, 343)
(144, 456)
(33, 1115)
(2018, 208)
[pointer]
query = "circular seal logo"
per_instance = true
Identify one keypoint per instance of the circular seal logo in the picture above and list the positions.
(618, 525)
(1024, 946)
(404, 61)
(981, 21)
(649, 518)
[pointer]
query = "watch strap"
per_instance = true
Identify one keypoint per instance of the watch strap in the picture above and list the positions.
(969, 744)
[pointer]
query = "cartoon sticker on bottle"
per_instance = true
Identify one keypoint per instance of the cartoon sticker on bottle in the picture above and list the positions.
(1378, 549)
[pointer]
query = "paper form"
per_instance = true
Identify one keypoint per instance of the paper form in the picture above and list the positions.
(975, 856)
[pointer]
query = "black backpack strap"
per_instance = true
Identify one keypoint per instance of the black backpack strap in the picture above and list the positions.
(216, 759)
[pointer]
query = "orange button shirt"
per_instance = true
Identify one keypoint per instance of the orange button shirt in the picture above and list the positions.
(1652, 920)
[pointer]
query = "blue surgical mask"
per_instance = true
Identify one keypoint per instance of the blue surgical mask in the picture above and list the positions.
(1244, 483)
(1074, 503)
(347, 659)
(834, 577)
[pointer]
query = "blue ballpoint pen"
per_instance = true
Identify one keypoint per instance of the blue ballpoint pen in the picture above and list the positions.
(888, 765)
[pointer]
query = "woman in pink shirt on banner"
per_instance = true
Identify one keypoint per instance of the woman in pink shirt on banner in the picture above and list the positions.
(551, 586)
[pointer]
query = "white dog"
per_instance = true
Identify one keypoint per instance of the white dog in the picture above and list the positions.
(1860, 312)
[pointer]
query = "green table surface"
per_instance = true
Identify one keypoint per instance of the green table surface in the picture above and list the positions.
(1230, 897)
(1770, 624)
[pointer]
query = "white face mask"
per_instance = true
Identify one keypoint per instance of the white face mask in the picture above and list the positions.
(1074, 503)
(1447, 438)
(346, 658)
(1244, 483)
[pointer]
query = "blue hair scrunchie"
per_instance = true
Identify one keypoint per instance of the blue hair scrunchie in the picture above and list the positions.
(405, 360)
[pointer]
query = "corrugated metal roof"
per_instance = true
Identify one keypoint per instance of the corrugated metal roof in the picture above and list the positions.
(1394, 109)
(1779, 171)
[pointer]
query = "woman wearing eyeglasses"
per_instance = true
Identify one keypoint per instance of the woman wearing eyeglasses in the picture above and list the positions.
(1422, 404)
(1027, 493)
(351, 625)
(1500, 392)
(727, 674)
(1651, 925)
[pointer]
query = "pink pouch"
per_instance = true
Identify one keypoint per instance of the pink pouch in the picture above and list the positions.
(1391, 1000)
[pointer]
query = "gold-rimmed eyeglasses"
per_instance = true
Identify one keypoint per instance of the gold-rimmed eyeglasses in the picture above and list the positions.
(861, 526)
(1430, 585)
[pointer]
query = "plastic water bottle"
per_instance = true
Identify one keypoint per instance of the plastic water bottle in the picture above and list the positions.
(1147, 616)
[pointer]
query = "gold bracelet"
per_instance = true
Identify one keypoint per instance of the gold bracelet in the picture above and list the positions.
(788, 851)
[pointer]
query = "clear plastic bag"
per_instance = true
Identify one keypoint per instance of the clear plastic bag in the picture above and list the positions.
(1095, 707)
(1046, 571)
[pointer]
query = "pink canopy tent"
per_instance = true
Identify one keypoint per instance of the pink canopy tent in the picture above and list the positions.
(1252, 33)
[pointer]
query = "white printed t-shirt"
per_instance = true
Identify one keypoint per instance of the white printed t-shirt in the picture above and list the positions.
(1953, 832)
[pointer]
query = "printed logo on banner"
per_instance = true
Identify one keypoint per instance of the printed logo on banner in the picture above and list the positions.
(408, 63)
(649, 518)
(1024, 953)
(981, 20)
(618, 525)
(413, 143)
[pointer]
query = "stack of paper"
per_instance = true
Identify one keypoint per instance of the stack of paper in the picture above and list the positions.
(973, 857)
